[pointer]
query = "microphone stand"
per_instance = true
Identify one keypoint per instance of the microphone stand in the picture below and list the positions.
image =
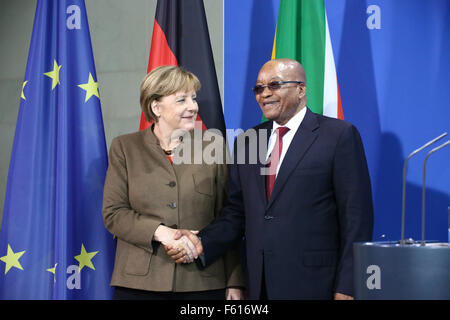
(402, 241)
(423, 188)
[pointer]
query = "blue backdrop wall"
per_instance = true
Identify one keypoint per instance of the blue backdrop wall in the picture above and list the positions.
(395, 87)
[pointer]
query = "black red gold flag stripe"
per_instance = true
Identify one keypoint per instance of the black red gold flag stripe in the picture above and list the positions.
(181, 37)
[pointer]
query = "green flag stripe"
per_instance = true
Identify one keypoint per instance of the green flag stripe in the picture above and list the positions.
(300, 35)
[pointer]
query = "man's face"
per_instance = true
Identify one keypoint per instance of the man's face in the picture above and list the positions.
(281, 104)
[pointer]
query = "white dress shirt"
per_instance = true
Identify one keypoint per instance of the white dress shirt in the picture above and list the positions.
(293, 125)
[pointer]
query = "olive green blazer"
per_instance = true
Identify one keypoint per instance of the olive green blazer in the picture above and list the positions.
(143, 190)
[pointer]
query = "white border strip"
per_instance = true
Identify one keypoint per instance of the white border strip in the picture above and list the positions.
(330, 94)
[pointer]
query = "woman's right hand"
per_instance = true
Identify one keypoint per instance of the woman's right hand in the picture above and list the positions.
(166, 236)
(193, 241)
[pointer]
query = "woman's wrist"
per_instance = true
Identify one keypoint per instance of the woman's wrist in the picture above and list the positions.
(160, 233)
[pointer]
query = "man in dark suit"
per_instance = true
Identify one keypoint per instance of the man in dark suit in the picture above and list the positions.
(299, 221)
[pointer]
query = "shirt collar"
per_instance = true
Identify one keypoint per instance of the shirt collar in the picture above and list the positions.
(294, 122)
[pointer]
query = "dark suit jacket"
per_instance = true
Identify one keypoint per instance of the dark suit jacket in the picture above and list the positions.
(321, 203)
(143, 190)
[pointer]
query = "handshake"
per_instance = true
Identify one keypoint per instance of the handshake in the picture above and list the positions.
(183, 246)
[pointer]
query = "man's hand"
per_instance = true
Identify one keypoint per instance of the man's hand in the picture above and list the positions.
(184, 247)
(341, 296)
(169, 237)
(234, 294)
(180, 256)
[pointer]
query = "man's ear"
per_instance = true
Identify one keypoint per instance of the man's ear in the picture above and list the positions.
(302, 91)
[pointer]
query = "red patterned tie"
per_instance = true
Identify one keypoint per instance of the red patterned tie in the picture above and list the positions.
(274, 160)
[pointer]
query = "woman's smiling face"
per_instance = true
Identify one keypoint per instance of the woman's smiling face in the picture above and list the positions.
(177, 111)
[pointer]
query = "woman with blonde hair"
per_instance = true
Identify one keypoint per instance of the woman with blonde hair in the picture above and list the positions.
(148, 195)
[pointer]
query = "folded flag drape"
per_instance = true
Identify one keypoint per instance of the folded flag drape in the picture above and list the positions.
(53, 244)
(181, 37)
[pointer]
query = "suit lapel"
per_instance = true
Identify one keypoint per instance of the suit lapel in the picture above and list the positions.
(263, 141)
(303, 139)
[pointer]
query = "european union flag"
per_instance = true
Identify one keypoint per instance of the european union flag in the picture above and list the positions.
(53, 244)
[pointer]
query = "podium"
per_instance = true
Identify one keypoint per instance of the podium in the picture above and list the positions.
(387, 270)
(405, 269)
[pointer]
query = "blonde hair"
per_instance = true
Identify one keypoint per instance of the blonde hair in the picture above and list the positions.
(164, 81)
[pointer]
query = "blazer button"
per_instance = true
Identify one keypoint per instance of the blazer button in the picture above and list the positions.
(172, 205)
(268, 217)
(172, 184)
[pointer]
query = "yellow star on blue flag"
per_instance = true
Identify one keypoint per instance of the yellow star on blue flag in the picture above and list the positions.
(22, 95)
(53, 270)
(12, 259)
(91, 88)
(54, 74)
(84, 258)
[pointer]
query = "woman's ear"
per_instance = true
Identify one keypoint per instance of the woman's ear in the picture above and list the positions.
(155, 108)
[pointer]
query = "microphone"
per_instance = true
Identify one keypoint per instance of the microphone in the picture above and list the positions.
(423, 187)
(402, 241)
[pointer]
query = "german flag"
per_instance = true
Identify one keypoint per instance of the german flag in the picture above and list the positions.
(181, 37)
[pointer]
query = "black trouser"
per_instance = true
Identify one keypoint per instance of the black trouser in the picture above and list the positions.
(121, 293)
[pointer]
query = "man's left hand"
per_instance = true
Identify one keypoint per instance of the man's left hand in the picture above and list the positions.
(234, 294)
(341, 296)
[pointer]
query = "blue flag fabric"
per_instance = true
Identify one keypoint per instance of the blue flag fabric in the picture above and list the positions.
(53, 244)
